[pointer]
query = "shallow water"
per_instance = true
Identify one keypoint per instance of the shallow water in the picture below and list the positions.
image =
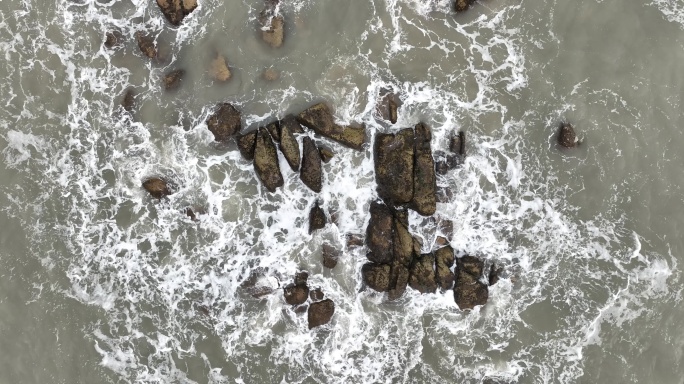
(99, 283)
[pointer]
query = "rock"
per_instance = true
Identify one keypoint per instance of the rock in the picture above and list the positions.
(257, 285)
(379, 234)
(113, 39)
(326, 154)
(444, 260)
(388, 106)
(218, 69)
(441, 241)
(457, 144)
(225, 122)
(494, 274)
(446, 227)
(128, 101)
(462, 5)
(403, 245)
(290, 121)
(270, 74)
(320, 119)
(311, 172)
(444, 194)
(376, 276)
(146, 45)
(468, 291)
(320, 313)
(399, 278)
(157, 187)
(266, 161)
(189, 212)
(317, 218)
(566, 136)
(296, 294)
(354, 240)
(289, 147)
(301, 278)
(472, 265)
(423, 274)
(330, 256)
(273, 28)
(301, 309)
(273, 129)
(316, 295)
(172, 80)
(393, 157)
(402, 216)
(445, 162)
(424, 180)
(246, 144)
(176, 10)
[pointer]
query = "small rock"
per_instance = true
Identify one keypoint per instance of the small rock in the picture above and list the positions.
(270, 74)
(354, 240)
(494, 274)
(317, 218)
(225, 122)
(320, 119)
(289, 147)
(393, 160)
(128, 101)
(330, 256)
(566, 136)
(445, 162)
(462, 5)
(326, 154)
(219, 69)
(246, 144)
(172, 80)
(113, 39)
(176, 10)
(311, 172)
(388, 106)
(297, 294)
(320, 313)
(146, 45)
(301, 278)
(471, 264)
(469, 291)
(316, 295)
(403, 245)
(157, 187)
(446, 227)
(457, 144)
(423, 274)
(266, 162)
(376, 276)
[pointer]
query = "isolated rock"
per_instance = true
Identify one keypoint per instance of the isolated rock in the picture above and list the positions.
(172, 80)
(494, 274)
(272, 25)
(376, 276)
(290, 121)
(157, 187)
(379, 233)
(320, 119)
(423, 274)
(388, 106)
(128, 101)
(330, 256)
(457, 144)
(266, 161)
(176, 10)
(316, 295)
(113, 39)
(296, 294)
(218, 69)
(566, 136)
(462, 5)
(311, 172)
(270, 74)
(424, 180)
(289, 147)
(320, 313)
(393, 158)
(326, 154)
(469, 291)
(225, 122)
(317, 218)
(246, 144)
(444, 260)
(146, 45)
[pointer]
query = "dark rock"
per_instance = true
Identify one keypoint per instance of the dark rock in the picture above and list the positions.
(379, 234)
(113, 39)
(354, 240)
(393, 157)
(290, 121)
(316, 295)
(423, 274)
(494, 274)
(266, 161)
(273, 24)
(424, 181)
(301, 278)
(172, 80)
(403, 245)
(330, 256)
(225, 122)
(189, 212)
(157, 187)
(311, 172)
(290, 148)
(326, 154)
(274, 130)
(457, 144)
(246, 144)
(462, 5)
(444, 194)
(146, 45)
(320, 313)
(566, 136)
(472, 265)
(446, 227)
(270, 74)
(468, 291)
(317, 218)
(128, 101)
(441, 241)
(320, 119)
(301, 309)
(296, 294)
(176, 10)
(388, 106)
(254, 284)
(445, 162)
(376, 276)
(399, 278)
(444, 260)
(402, 216)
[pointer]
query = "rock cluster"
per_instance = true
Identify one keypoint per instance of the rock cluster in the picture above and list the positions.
(320, 311)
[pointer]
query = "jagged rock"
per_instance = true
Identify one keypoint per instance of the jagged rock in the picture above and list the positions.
(399, 278)
(494, 274)
(330, 256)
(376, 276)
(273, 25)
(393, 157)
(444, 260)
(172, 80)
(462, 5)
(189, 212)
(157, 187)
(325, 153)
(128, 101)
(354, 240)
(379, 234)
(320, 119)
(320, 313)
(424, 181)
(273, 129)
(290, 121)
(146, 45)
(457, 144)
(289, 147)
(113, 39)
(297, 294)
(311, 172)
(246, 144)
(218, 69)
(266, 161)
(270, 74)
(468, 291)
(176, 10)
(225, 122)
(566, 136)
(388, 106)
(317, 218)
(316, 295)
(423, 274)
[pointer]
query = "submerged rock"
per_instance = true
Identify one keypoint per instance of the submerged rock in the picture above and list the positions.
(468, 290)
(218, 69)
(157, 187)
(225, 122)
(330, 256)
(113, 39)
(270, 74)
(424, 180)
(379, 234)
(272, 25)
(320, 313)
(311, 172)
(399, 278)
(354, 240)
(376, 276)
(423, 274)
(296, 295)
(172, 80)
(462, 5)
(393, 160)
(146, 45)
(273, 129)
(388, 106)
(266, 161)
(494, 274)
(316, 295)
(317, 218)
(176, 10)
(128, 101)
(246, 144)
(320, 119)
(445, 162)
(566, 136)
(289, 147)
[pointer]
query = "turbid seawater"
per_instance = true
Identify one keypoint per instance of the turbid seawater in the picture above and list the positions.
(101, 283)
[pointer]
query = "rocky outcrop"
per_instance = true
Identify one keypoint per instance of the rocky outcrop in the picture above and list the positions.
(311, 172)
(172, 80)
(176, 10)
(469, 291)
(317, 218)
(320, 313)
(424, 181)
(225, 122)
(157, 187)
(266, 161)
(218, 69)
(289, 147)
(320, 119)
(330, 256)
(462, 5)
(146, 45)
(566, 136)
(393, 158)
(444, 260)
(272, 25)
(246, 144)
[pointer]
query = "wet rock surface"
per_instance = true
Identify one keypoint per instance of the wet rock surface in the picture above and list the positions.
(297, 293)
(320, 313)
(424, 180)
(325, 153)
(457, 144)
(246, 144)
(469, 291)
(128, 101)
(393, 161)
(376, 276)
(176, 10)
(225, 122)
(289, 147)
(146, 45)
(423, 274)
(266, 161)
(311, 172)
(566, 135)
(317, 218)
(290, 121)
(330, 256)
(444, 260)
(379, 233)
(157, 187)
(113, 39)
(319, 118)
(388, 106)
(462, 5)
(172, 80)
(272, 25)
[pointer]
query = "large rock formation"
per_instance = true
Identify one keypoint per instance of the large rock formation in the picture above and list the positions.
(393, 157)
(468, 290)
(157, 187)
(424, 181)
(176, 10)
(246, 144)
(320, 313)
(266, 161)
(311, 172)
(225, 122)
(566, 136)
(320, 119)
(289, 147)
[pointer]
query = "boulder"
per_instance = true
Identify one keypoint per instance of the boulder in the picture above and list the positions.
(320, 313)
(272, 25)
(566, 136)
(296, 294)
(330, 256)
(157, 187)
(379, 234)
(176, 10)
(289, 147)
(393, 158)
(290, 121)
(218, 69)
(316, 295)
(457, 144)
(444, 260)
(113, 39)
(462, 5)
(320, 119)
(172, 80)
(424, 180)
(311, 172)
(326, 154)
(423, 274)
(246, 144)
(441, 241)
(469, 291)
(266, 161)
(225, 122)
(399, 278)
(472, 265)
(494, 274)
(317, 218)
(376, 276)
(146, 45)
(128, 101)
(270, 74)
